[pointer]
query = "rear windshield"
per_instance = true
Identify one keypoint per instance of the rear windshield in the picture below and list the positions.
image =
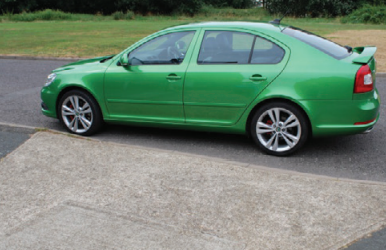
(330, 48)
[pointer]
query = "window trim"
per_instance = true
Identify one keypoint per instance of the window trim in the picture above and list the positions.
(252, 48)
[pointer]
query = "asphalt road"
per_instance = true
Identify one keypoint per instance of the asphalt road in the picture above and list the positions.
(9, 141)
(355, 157)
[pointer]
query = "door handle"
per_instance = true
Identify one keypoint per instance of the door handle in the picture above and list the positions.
(257, 78)
(173, 77)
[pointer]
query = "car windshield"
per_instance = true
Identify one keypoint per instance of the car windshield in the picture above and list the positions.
(330, 48)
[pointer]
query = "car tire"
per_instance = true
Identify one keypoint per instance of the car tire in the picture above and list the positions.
(79, 112)
(279, 128)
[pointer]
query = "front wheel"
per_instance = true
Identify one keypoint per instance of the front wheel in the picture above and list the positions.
(79, 113)
(279, 128)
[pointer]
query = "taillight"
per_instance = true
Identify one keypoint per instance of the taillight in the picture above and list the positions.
(363, 80)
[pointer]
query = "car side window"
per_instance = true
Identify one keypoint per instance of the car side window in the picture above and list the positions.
(266, 52)
(231, 47)
(165, 49)
(225, 47)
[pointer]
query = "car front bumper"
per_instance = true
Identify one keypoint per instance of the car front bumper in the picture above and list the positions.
(48, 105)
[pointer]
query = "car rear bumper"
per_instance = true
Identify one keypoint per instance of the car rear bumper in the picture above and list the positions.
(342, 129)
(344, 117)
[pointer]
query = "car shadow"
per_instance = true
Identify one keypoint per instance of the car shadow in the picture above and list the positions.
(183, 140)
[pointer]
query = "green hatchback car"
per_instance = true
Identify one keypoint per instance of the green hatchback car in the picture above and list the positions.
(276, 83)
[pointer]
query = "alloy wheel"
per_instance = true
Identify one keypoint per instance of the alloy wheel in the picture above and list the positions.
(278, 129)
(77, 114)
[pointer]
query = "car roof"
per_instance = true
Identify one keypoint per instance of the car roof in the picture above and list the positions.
(241, 25)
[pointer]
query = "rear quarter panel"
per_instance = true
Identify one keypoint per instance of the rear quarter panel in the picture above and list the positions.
(321, 85)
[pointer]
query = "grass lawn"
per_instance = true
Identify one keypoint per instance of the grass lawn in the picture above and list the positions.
(95, 38)
(73, 39)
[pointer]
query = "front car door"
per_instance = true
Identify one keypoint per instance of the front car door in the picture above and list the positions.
(150, 87)
(227, 72)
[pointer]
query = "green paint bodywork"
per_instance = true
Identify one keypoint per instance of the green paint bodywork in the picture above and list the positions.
(222, 97)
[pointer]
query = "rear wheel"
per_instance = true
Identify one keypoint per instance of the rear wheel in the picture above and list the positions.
(79, 113)
(279, 128)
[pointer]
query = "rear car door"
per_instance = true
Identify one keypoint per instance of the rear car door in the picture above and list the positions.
(227, 72)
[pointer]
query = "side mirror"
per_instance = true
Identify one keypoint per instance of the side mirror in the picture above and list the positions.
(124, 60)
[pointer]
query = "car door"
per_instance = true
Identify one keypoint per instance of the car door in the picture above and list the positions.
(227, 72)
(150, 87)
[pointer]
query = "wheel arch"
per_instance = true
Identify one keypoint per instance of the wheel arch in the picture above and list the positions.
(276, 99)
(70, 88)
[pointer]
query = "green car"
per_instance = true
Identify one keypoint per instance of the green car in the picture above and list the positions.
(276, 83)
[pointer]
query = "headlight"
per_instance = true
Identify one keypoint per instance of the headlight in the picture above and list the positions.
(50, 79)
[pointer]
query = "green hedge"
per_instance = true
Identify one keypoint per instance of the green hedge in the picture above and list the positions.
(367, 14)
(317, 8)
(298, 8)
(40, 15)
(108, 7)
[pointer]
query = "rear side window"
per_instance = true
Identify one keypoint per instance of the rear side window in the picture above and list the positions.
(266, 52)
(222, 47)
(330, 48)
(232, 47)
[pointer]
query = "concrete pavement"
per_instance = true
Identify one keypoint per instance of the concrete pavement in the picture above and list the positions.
(59, 191)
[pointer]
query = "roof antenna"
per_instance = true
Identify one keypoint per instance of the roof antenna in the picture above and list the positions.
(277, 21)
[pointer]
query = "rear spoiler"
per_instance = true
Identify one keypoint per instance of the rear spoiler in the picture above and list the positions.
(364, 54)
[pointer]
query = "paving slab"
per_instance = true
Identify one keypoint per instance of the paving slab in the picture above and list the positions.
(65, 192)
(70, 226)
